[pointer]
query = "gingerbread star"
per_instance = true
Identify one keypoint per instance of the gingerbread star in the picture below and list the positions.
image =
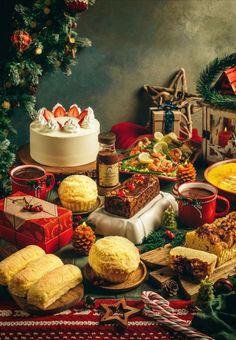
(118, 312)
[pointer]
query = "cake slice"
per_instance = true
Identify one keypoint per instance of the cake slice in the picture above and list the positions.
(218, 238)
(196, 263)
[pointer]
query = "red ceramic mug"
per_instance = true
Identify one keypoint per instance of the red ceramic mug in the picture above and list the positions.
(32, 180)
(197, 204)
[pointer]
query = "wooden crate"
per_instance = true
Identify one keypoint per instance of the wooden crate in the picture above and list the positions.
(219, 138)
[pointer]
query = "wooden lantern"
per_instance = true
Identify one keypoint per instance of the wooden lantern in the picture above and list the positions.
(219, 135)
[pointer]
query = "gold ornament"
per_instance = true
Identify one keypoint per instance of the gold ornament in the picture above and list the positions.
(8, 84)
(33, 24)
(72, 40)
(46, 10)
(83, 239)
(6, 105)
(38, 50)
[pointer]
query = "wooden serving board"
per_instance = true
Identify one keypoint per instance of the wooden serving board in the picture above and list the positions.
(23, 154)
(157, 257)
(68, 300)
(189, 286)
(134, 280)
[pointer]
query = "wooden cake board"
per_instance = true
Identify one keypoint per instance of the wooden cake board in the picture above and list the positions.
(159, 257)
(23, 155)
(68, 300)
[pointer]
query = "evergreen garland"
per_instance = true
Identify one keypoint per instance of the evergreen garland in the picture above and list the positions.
(159, 238)
(209, 75)
(44, 39)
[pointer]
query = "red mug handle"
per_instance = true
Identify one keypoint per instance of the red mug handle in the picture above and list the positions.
(227, 206)
(52, 181)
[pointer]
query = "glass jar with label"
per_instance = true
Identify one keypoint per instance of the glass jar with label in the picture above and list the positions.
(107, 163)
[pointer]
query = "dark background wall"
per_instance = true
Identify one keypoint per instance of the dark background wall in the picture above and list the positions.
(137, 42)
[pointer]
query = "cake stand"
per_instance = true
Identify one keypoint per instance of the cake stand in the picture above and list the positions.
(23, 156)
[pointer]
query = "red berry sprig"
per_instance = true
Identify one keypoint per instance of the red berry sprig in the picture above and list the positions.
(33, 207)
(169, 234)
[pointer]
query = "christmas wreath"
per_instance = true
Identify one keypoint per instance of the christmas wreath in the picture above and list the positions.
(208, 76)
(44, 38)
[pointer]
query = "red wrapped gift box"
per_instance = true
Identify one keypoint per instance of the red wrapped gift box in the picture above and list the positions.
(50, 228)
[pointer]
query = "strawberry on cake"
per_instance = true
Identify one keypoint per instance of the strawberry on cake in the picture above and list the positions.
(60, 138)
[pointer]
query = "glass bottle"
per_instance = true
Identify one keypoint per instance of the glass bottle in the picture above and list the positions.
(107, 163)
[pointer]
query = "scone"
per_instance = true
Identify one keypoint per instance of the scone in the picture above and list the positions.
(53, 285)
(18, 261)
(24, 279)
(113, 258)
(78, 193)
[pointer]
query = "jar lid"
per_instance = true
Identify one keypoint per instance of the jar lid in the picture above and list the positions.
(107, 137)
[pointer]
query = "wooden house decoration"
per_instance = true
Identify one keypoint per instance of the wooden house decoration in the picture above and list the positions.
(218, 126)
(219, 134)
(226, 84)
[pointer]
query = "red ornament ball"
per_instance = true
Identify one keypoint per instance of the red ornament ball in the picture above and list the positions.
(21, 40)
(76, 5)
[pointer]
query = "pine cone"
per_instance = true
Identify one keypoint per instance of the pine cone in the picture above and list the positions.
(33, 88)
(186, 173)
(170, 287)
(169, 218)
(83, 239)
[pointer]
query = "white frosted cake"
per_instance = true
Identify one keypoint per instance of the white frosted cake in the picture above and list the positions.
(64, 139)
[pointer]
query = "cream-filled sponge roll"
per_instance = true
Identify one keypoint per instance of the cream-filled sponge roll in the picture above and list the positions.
(53, 285)
(18, 261)
(24, 279)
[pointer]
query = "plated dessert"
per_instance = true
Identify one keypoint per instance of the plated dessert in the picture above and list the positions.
(64, 138)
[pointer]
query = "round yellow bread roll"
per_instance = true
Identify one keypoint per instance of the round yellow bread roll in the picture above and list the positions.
(78, 193)
(113, 258)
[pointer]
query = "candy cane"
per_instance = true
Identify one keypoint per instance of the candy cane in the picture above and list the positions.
(153, 300)
(158, 308)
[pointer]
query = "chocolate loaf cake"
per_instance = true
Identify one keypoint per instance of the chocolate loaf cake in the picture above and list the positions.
(132, 195)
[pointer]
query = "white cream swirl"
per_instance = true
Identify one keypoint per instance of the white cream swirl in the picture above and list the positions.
(71, 125)
(53, 125)
(88, 121)
(40, 117)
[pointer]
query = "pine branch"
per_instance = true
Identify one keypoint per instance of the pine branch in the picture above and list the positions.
(49, 26)
(205, 84)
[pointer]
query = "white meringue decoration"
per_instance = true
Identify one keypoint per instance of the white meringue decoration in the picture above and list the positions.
(40, 117)
(53, 125)
(89, 119)
(71, 125)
